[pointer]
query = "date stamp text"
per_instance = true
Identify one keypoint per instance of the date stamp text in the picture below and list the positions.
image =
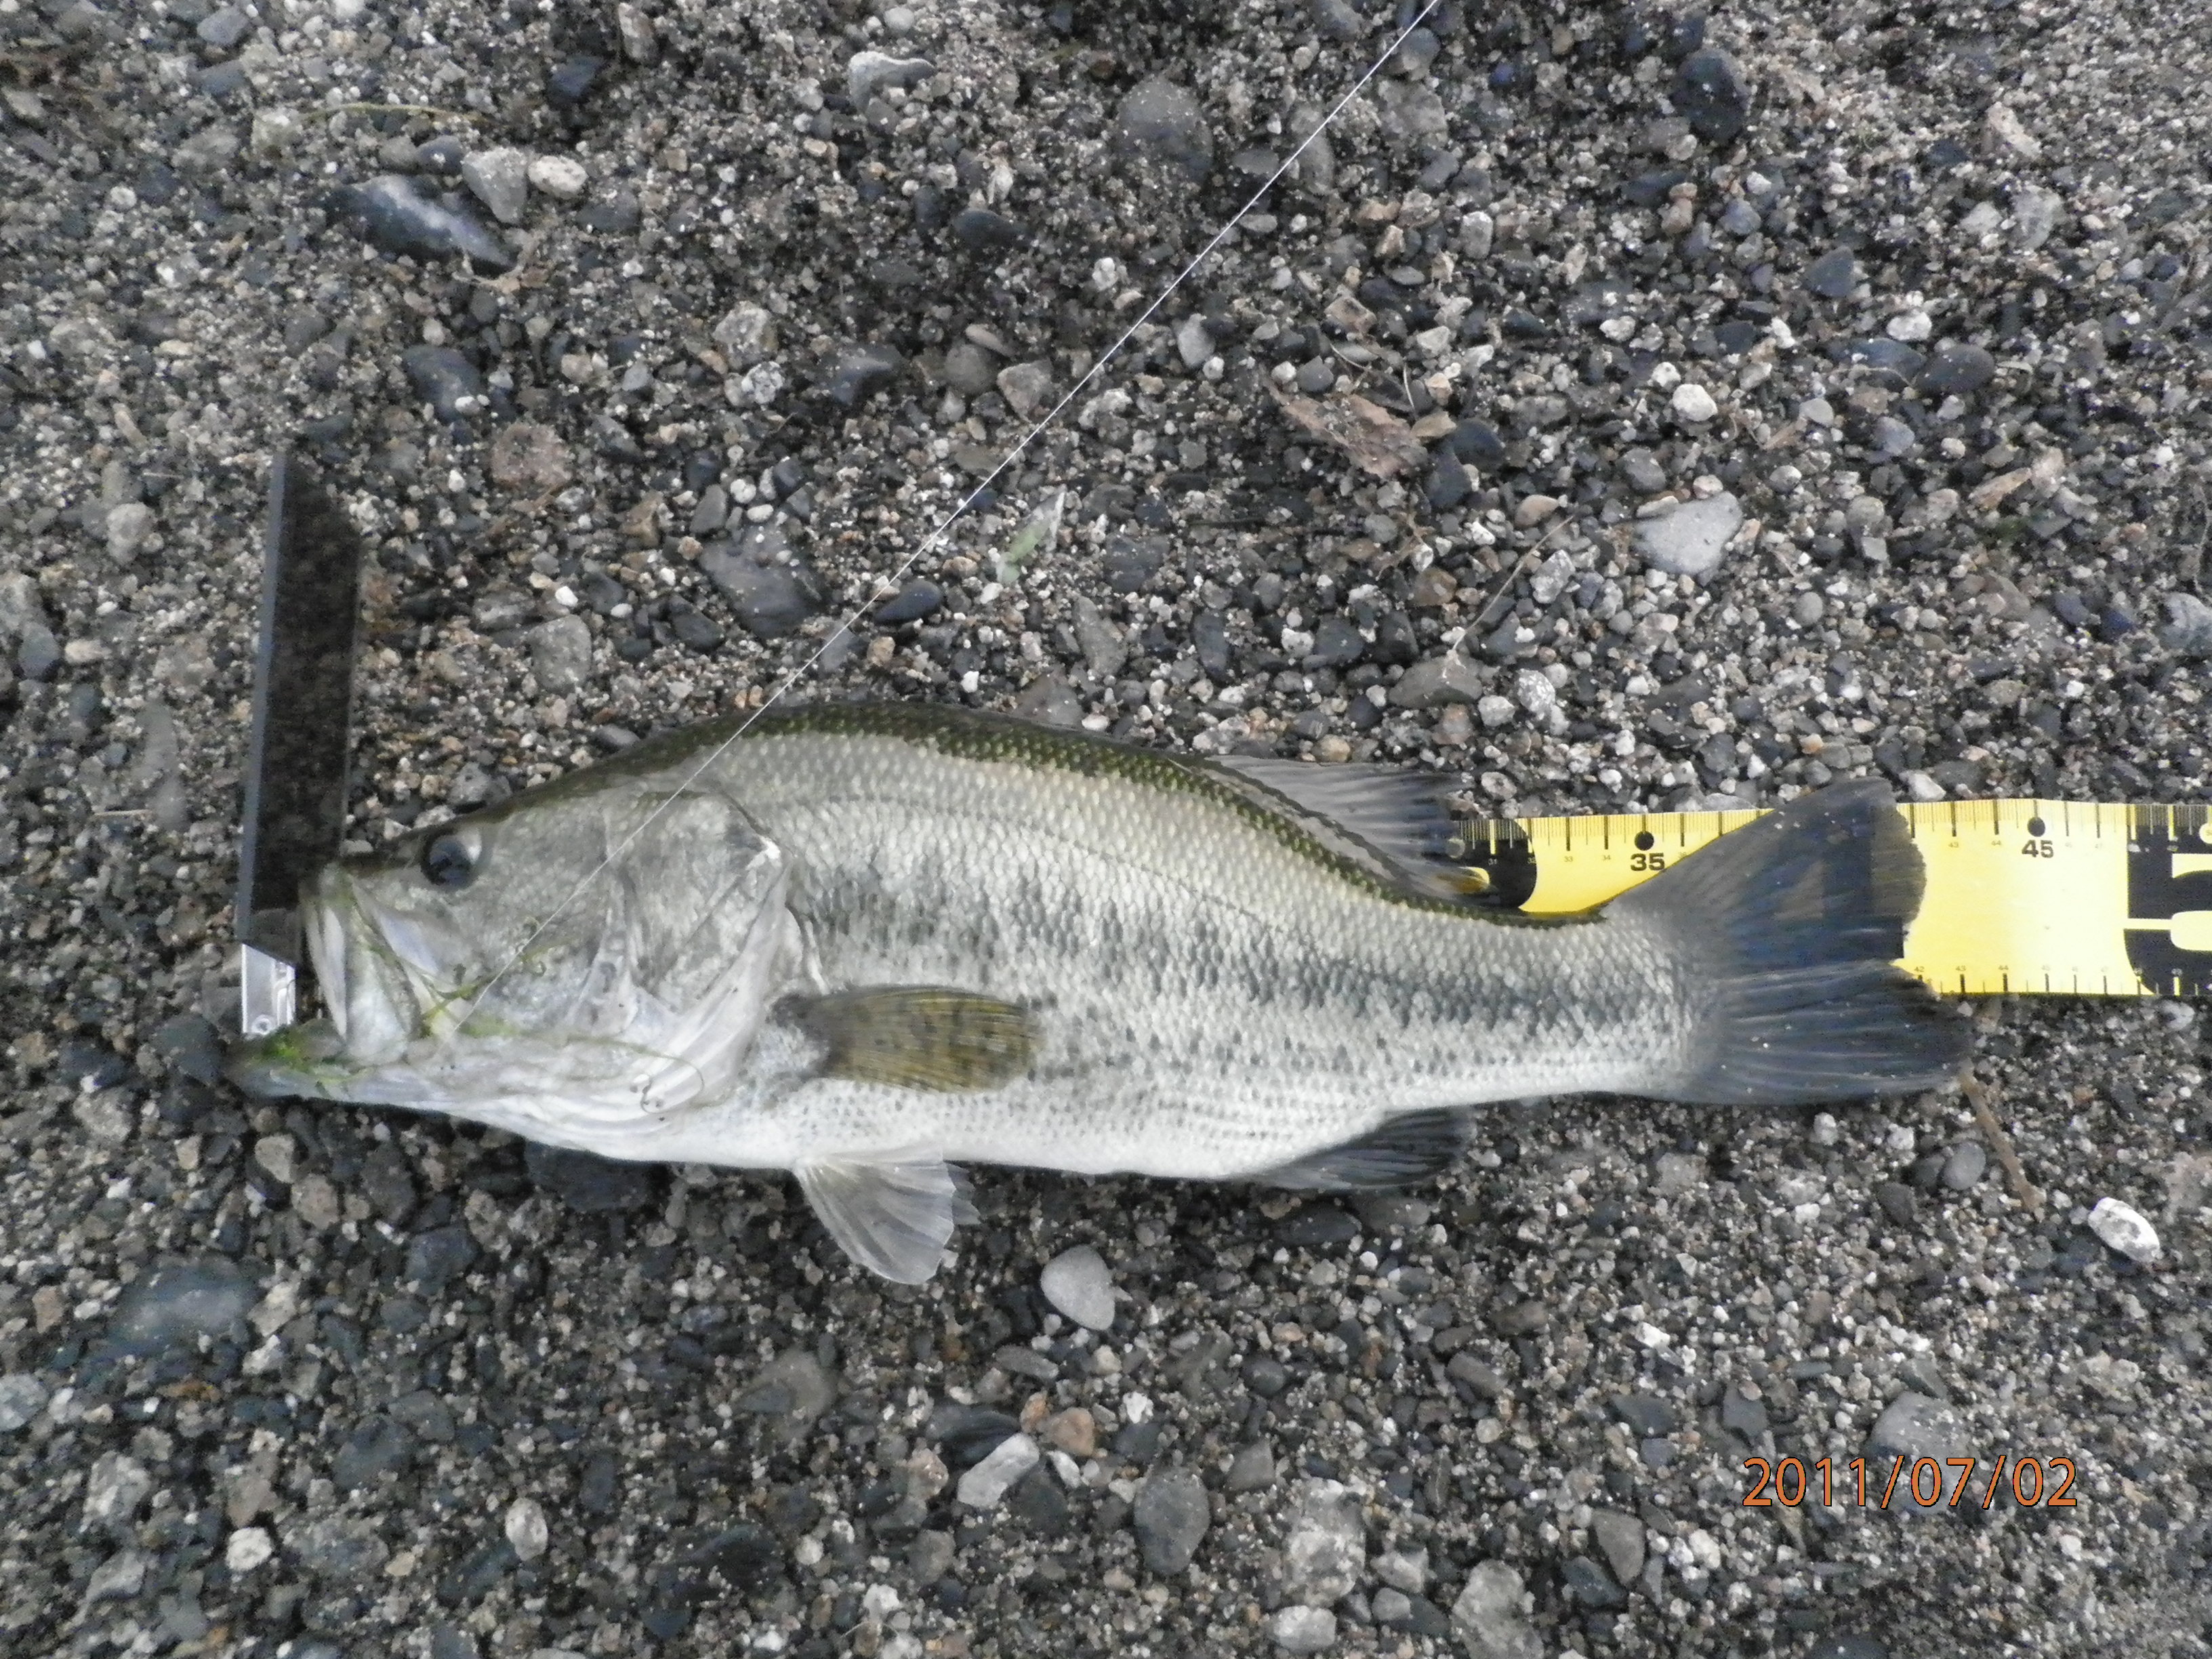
(1864, 1483)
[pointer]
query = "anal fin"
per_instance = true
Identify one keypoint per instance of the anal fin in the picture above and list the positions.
(1415, 1147)
(894, 1219)
(918, 1037)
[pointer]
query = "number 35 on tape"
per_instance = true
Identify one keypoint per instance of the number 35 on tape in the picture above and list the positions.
(2026, 896)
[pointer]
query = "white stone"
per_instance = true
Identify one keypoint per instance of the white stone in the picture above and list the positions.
(1535, 692)
(249, 1546)
(526, 1529)
(22, 1397)
(1552, 577)
(114, 1487)
(1693, 403)
(1076, 1282)
(128, 524)
(1693, 538)
(1488, 1617)
(561, 177)
(1405, 1569)
(1302, 1630)
(499, 179)
(982, 1486)
(2124, 1229)
(1325, 1546)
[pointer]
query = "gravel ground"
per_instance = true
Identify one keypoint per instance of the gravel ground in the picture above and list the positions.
(758, 291)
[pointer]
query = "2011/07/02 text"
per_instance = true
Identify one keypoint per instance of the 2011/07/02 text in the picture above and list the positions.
(1789, 1482)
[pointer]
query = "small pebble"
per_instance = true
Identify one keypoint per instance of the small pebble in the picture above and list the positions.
(1619, 1539)
(1324, 1545)
(850, 374)
(1171, 1516)
(247, 1548)
(1161, 122)
(1834, 274)
(1077, 1283)
(1710, 89)
(526, 1529)
(561, 177)
(1964, 1165)
(1302, 1629)
(1027, 388)
(1193, 341)
(1955, 369)
(398, 219)
(2188, 630)
(1487, 1618)
(500, 180)
(1917, 1426)
(984, 1484)
(2124, 1229)
(22, 1397)
(1693, 538)
(224, 27)
(1251, 1470)
(1693, 403)
(128, 525)
(867, 73)
(560, 654)
(913, 602)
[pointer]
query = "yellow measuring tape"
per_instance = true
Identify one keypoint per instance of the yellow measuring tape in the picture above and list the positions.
(2040, 897)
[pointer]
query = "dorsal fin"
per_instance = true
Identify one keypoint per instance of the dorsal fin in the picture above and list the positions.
(1393, 820)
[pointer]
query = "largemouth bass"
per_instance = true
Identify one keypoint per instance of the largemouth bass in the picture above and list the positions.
(865, 944)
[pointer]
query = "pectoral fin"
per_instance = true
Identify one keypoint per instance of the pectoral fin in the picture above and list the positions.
(919, 1036)
(1415, 1147)
(892, 1219)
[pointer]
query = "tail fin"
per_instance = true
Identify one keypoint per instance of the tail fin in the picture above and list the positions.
(1791, 925)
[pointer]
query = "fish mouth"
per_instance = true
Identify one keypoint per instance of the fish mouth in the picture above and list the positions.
(379, 997)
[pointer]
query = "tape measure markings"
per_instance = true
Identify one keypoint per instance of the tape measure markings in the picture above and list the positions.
(2029, 897)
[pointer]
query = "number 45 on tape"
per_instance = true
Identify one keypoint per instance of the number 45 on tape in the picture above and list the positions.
(2026, 896)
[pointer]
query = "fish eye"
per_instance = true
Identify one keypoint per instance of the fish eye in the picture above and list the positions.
(448, 861)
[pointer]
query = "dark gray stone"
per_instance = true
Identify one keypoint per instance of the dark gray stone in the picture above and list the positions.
(1834, 274)
(436, 1258)
(1709, 90)
(1337, 644)
(446, 380)
(377, 1447)
(913, 602)
(193, 1045)
(1746, 1416)
(1646, 1413)
(1171, 1516)
(1957, 368)
(1476, 444)
(1161, 123)
(593, 1185)
(225, 29)
(771, 592)
(1591, 1585)
(850, 373)
(182, 1303)
(981, 231)
(398, 218)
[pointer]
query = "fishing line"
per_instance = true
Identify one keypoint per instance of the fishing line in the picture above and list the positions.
(937, 536)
